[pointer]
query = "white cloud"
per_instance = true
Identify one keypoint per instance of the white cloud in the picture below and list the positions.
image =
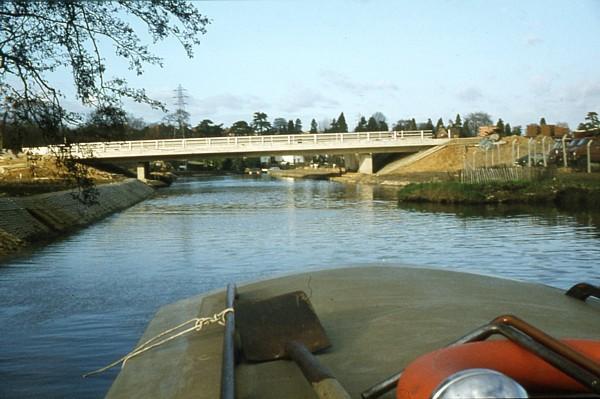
(306, 99)
(358, 88)
(470, 94)
(225, 102)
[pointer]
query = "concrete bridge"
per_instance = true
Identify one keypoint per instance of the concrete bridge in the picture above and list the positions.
(358, 148)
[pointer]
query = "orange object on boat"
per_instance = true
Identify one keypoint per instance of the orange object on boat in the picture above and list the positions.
(426, 373)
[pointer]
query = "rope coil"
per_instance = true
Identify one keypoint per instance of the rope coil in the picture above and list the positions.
(197, 324)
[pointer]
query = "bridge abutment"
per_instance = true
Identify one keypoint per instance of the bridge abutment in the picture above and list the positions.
(365, 163)
(143, 170)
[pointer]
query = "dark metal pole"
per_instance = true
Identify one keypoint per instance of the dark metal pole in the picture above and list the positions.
(228, 361)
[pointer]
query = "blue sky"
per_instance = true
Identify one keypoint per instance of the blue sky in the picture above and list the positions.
(518, 60)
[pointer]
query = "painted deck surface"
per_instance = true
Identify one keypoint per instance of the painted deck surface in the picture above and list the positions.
(377, 318)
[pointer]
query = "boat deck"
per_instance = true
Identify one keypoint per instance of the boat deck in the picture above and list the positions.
(378, 319)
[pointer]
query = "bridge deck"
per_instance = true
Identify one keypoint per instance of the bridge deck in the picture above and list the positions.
(402, 141)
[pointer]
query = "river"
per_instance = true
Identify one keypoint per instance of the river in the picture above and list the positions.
(83, 301)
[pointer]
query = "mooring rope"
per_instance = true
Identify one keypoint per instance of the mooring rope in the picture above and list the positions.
(198, 324)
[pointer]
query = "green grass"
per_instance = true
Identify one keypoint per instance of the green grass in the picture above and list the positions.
(566, 190)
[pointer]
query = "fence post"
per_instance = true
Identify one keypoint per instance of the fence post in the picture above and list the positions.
(564, 150)
(512, 152)
(422, 135)
(589, 157)
(529, 152)
(544, 151)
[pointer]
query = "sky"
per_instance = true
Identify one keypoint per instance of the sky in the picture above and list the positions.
(516, 60)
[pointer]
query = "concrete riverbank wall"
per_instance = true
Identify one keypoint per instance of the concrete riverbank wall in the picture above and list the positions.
(39, 218)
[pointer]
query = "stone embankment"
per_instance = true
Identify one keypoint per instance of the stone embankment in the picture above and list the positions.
(40, 218)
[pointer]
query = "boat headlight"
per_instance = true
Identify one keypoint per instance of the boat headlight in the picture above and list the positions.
(479, 383)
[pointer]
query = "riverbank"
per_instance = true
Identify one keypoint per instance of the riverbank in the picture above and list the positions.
(36, 219)
(307, 173)
(571, 190)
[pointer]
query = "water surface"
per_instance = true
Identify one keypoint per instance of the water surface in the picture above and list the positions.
(83, 301)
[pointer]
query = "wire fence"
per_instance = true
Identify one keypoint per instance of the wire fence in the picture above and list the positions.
(502, 174)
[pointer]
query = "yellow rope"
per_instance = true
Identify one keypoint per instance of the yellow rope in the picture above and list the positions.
(198, 324)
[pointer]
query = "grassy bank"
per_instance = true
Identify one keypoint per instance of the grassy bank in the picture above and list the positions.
(571, 190)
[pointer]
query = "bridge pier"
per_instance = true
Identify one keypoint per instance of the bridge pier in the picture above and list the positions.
(365, 163)
(351, 162)
(143, 169)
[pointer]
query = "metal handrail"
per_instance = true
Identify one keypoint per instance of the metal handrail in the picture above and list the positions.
(563, 357)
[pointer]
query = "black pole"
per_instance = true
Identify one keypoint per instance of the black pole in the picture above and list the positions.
(228, 361)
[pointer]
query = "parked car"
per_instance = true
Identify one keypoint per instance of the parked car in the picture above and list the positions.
(577, 154)
(537, 159)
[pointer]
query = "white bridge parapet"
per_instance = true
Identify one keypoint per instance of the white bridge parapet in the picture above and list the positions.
(250, 145)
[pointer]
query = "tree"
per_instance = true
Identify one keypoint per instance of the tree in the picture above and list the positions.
(458, 121)
(383, 126)
(379, 117)
(362, 125)
(37, 38)
(475, 120)
(314, 127)
(507, 130)
(298, 125)
(290, 127)
(592, 121)
(412, 124)
(500, 126)
(428, 125)
(542, 121)
(517, 131)
(260, 124)
(342, 126)
(280, 125)
(108, 123)
(439, 125)
(402, 124)
(207, 128)
(333, 127)
(372, 125)
(240, 128)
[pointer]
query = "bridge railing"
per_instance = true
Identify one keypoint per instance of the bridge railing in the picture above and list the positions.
(99, 149)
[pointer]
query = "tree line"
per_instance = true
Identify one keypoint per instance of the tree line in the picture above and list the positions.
(111, 123)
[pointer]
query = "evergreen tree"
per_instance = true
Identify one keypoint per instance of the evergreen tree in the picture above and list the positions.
(260, 124)
(362, 125)
(333, 128)
(439, 125)
(372, 125)
(342, 126)
(593, 121)
(298, 125)
(383, 126)
(429, 125)
(291, 128)
(314, 127)
(458, 121)
(542, 121)
(507, 130)
(500, 126)
(413, 124)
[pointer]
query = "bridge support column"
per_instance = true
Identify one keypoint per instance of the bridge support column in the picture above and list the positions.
(365, 163)
(143, 169)
(351, 162)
